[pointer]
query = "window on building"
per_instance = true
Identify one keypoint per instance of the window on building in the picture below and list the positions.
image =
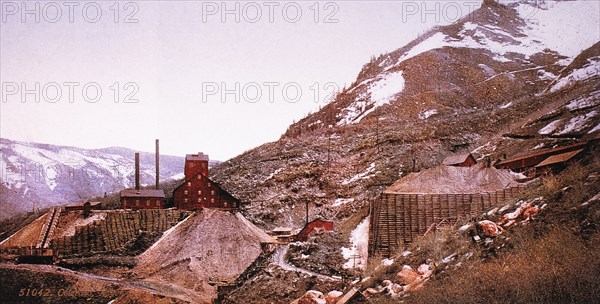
(199, 200)
(208, 184)
(212, 200)
(147, 202)
(185, 192)
(199, 176)
(185, 200)
(212, 192)
(199, 192)
(189, 184)
(157, 203)
(137, 202)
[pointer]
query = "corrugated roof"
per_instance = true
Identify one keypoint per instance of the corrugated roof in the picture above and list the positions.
(199, 156)
(559, 158)
(456, 159)
(143, 193)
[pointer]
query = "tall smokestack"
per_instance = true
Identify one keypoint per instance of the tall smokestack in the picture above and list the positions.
(157, 164)
(137, 171)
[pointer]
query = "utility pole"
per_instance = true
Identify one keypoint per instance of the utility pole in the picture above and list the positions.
(377, 136)
(306, 213)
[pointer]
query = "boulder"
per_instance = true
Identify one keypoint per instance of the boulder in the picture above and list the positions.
(488, 228)
(333, 296)
(424, 270)
(312, 297)
(406, 276)
(530, 212)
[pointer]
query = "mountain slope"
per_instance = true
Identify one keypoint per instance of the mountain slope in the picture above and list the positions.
(455, 88)
(39, 175)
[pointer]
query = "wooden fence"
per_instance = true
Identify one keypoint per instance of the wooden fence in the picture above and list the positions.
(397, 219)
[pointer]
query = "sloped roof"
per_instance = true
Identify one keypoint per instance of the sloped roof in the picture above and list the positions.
(559, 158)
(143, 193)
(199, 156)
(543, 152)
(456, 159)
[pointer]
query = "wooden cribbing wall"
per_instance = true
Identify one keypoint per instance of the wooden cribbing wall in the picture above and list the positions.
(398, 218)
(115, 230)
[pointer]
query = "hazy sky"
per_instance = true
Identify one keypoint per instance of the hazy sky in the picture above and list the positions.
(218, 77)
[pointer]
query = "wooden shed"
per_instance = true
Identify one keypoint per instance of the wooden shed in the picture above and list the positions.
(460, 160)
(314, 227)
(526, 163)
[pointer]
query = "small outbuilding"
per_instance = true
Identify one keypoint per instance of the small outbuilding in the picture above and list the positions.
(460, 160)
(317, 226)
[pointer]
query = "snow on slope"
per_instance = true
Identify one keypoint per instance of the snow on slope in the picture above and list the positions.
(589, 70)
(359, 238)
(557, 26)
(567, 27)
(379, 92)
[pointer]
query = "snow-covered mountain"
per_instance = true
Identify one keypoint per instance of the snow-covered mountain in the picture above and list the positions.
(501, 74)
(43, 175)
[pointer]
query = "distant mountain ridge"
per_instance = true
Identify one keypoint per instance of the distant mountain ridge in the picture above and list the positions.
(40, 175)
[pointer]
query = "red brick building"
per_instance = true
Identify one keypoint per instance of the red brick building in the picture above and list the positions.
(198, 191)
(142, 199)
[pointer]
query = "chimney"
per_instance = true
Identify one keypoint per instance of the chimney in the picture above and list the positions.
(157, 164)
(137, 171)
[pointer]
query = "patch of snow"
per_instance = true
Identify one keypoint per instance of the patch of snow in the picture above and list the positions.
(504, 208)
(464, 227)
(550, 128)
(595, 129)
(357, 255)
(177, 176)
(447, 259)
(558, 25)
(428, 113)
(591, 69)
(342, 201)
(363, 175)
(381, 92)
(434, 42)
(506, 105)
(583, 102)
(273, 174)
(545, 75)
(538, 147)
(492, 212)
(578, 123)
(387, 262)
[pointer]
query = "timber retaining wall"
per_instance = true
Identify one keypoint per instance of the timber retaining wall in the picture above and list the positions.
(115, 230)
(397, 219)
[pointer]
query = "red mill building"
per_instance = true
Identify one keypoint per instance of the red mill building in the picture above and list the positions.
(197, 190)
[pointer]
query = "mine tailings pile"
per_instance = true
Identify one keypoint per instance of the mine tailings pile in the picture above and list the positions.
(209, 249)
(422, 201)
